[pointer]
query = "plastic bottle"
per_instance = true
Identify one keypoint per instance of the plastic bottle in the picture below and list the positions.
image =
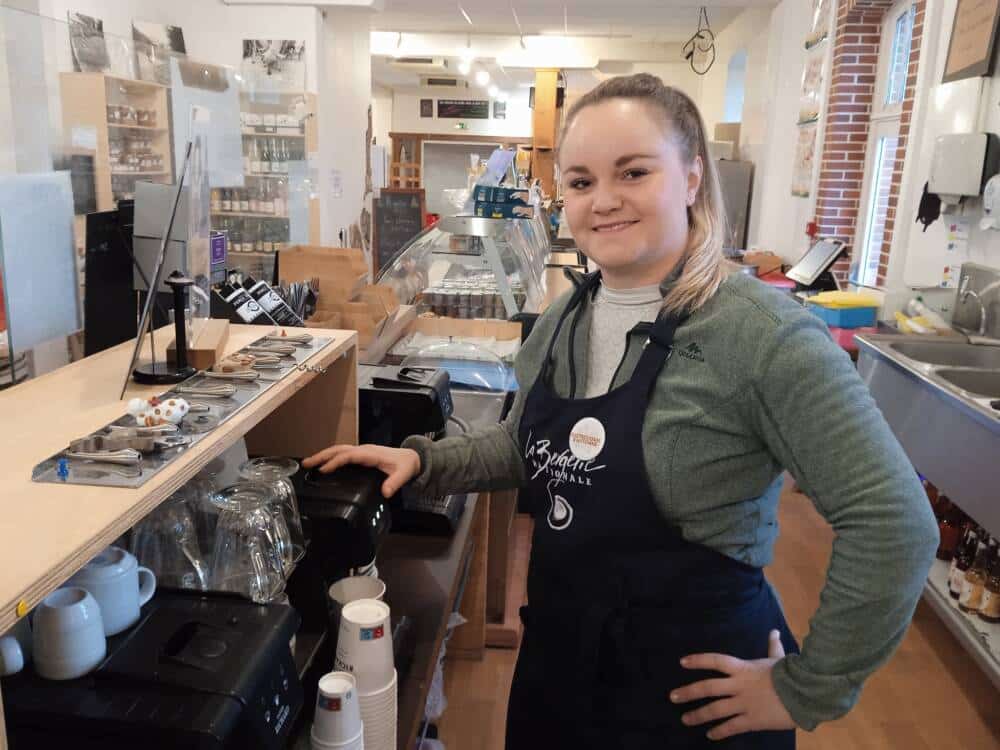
(916, 308)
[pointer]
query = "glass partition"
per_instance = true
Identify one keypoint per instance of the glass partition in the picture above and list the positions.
(103, 114)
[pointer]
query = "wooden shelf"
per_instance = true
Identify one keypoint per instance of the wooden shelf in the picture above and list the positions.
(134, 83)
(273, 135)
(253, 254)
(137, 174)
(265, 174)
(148, 128)
(241, 214)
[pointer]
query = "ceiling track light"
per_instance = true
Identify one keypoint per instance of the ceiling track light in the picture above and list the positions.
(565, 21)
(464, 14)
(399, 40)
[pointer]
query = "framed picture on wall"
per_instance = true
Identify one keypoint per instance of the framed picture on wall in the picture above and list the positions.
(427, 108)
(499, 110)
(973, 40)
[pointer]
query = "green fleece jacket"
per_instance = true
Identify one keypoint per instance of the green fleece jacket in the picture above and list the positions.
(755, 386)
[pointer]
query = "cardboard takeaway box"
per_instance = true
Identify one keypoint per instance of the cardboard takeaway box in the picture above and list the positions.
(345, 300)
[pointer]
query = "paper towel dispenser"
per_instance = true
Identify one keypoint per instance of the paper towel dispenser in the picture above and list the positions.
(962, 163)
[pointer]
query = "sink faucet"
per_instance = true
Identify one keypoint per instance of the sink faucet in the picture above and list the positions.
(965, 293)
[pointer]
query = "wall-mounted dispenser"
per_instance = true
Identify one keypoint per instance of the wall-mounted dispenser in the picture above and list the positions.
(962, 162)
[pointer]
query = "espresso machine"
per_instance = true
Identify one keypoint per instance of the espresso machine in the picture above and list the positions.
(198, 672)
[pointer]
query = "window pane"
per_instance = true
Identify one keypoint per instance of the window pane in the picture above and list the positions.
(878, 206)
(900, 60)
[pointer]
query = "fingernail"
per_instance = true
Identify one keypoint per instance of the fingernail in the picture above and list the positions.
(711, 735)
(674, 697)
(686, 719)
(685, 661)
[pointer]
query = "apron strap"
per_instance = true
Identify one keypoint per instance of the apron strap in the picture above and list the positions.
(589, 282)
(657, 351)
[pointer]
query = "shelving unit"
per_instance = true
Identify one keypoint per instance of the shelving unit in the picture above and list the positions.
(980, 638)
(45, 541)
(86, 98)
(301, 144)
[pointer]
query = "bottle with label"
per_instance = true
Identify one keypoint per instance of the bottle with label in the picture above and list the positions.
(267, 203)
(258, 237)
(243, 308)
(975, 578)
(244, 200)
(949, 528)
(280, 209)
(236, 238)
(227, 201)
(253, 201)
(276, 156)
(216, 200)
(990, 609)
(272, 302)
(247, 162)
(962, 560)
(254, 156)
(285, 157)
(265, 157)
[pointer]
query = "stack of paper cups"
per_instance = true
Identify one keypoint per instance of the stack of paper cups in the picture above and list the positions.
(364, 648)
(337, 724)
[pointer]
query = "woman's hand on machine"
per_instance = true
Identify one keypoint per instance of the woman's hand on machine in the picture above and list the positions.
(746, 695)
(400, 465)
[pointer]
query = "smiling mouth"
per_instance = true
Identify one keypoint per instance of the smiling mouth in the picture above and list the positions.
(618, 226)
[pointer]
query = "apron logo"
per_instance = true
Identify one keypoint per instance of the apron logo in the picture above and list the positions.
(587, 438)
(692, 352)
(560, 511)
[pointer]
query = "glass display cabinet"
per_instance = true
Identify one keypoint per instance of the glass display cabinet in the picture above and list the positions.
(469, 267)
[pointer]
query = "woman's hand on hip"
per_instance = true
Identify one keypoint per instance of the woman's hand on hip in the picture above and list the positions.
(746, 696)
(400, 465)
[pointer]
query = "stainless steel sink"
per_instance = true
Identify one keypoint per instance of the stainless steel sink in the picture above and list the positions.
(980, 382)
(938, 397)
(951, 354)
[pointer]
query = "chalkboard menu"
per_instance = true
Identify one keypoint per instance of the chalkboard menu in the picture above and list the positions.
(464, 109)
(399, 217)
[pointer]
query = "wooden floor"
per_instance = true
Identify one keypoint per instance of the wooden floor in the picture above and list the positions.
(930, 696)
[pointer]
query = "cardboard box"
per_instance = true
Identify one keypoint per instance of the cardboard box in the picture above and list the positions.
(342, 272)
(764, 260)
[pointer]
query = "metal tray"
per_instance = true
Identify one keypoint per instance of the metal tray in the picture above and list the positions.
(60, 469)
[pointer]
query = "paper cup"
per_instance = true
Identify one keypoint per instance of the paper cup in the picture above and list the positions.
(364, 644)
(355, 743)
(338, 713)
(351, 589)
(379, 712)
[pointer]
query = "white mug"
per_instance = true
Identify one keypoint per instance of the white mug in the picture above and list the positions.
(113, 578)
(15, 648)
(68, 634)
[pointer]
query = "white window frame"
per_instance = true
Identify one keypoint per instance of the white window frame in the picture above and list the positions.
(885, 120)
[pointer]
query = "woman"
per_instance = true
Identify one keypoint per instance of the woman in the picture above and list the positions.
(661, 400)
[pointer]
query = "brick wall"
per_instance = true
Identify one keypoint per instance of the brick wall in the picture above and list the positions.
(852, 88)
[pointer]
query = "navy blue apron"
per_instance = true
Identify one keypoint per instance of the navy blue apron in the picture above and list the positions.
(616, 595)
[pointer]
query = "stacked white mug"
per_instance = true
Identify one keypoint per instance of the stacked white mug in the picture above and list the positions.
(337, 724)
(364, 648)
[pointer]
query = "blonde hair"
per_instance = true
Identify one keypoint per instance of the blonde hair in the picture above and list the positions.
(703, 266)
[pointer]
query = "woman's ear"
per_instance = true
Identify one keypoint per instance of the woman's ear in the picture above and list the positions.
(695, 172)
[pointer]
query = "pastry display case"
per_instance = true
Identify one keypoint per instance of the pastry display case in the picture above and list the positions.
(469, 267)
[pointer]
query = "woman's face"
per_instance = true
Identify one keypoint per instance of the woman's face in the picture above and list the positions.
(626, 190)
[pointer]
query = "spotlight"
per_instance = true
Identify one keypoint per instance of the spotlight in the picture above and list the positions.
(482, 78)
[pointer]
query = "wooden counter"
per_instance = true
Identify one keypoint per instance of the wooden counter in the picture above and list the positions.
(49, 531)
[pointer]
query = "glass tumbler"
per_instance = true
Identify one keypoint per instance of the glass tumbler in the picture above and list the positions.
(277, 474)
(166, 541)
(251, 541)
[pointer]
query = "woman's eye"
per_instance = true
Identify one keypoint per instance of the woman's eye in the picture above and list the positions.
(580, 184)
(632, 174)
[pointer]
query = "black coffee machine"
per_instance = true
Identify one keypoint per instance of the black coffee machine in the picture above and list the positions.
(197, 672)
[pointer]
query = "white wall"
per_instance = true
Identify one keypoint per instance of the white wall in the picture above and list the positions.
(406, 113)
(213, 32)
(750, 31)
(782, 217)
(381, 114)
(918, 258)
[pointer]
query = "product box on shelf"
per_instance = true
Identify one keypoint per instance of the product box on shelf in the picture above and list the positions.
(504, 211)
(513, 196)
(251, 119)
